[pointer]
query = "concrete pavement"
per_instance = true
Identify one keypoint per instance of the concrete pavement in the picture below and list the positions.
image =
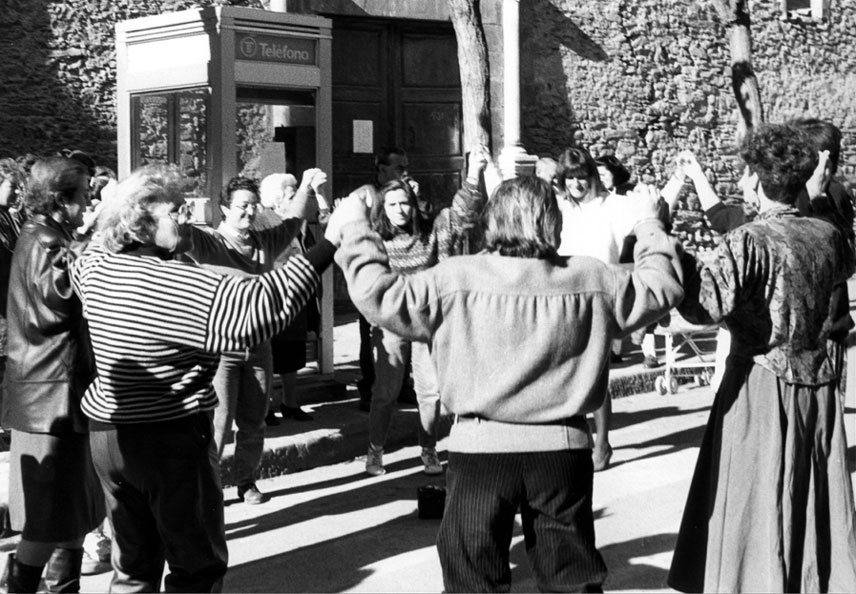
(335, 529)
(339, 431)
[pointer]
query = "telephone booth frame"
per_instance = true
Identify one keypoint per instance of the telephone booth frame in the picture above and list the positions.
(190, 67)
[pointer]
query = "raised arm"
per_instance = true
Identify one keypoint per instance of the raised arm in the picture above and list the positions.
(298, 210)
(402, 304)
(653, 286)
(249, 310)
(691, 167)
(469, 201)
(324, 207)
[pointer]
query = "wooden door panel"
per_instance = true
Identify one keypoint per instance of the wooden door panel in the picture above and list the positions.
(359, 58)
(351, 169)
(403, 76)
(429, 61)
(432, 128)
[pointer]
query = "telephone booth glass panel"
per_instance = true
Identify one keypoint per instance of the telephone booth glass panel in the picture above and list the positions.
(274, 131)
(171, 127)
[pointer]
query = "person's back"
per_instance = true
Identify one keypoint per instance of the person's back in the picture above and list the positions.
(555, 319)
(783, 319)
(511, 329)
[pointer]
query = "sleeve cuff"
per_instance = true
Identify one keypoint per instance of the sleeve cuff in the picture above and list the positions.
(321, 255)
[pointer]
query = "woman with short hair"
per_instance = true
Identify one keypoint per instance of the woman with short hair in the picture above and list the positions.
(158, 328)
(55, 499)
(243, 377)
(770, 506)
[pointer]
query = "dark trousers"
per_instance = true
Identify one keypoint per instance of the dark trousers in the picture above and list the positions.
(165, 501)
(364, 385)
(553, 491)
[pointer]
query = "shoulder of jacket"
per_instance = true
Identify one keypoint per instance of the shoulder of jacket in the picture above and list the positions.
(45, 235)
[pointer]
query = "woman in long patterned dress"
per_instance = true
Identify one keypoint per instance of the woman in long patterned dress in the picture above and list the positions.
(770, 507)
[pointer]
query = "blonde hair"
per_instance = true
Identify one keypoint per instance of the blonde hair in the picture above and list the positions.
(272, 187)
(125, 218)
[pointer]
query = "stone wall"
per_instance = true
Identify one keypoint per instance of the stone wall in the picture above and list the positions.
(643, 78)
(647, 78)
(58, 72)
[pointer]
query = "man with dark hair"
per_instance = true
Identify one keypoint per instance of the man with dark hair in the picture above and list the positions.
(520, 338)
(832, 202)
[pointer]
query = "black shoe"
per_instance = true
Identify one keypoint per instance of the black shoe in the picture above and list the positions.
(407, 396)
(365, 389)
(19, 577)
(271, 419)
(296, 413)
(251, 495)
(650, 362)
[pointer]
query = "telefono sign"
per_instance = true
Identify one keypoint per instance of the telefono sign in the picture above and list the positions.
(270, 48)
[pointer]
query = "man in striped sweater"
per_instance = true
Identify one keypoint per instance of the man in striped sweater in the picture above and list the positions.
(157, 327)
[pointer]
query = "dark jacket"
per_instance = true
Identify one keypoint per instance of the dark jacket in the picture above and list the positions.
(49, 364)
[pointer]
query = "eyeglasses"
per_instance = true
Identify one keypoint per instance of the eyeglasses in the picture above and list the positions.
(183, 215)
(249, 207)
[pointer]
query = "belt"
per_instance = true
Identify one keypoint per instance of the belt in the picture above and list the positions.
(573, 421)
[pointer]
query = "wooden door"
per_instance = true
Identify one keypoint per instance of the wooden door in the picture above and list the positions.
(400, 80)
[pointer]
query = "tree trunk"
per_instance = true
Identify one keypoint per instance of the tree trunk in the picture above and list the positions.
(735, 13)
(475, 74)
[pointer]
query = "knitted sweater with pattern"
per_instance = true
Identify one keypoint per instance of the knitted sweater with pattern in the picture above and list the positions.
(409, 253)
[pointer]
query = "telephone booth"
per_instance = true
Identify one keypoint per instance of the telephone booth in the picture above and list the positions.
(222, 91)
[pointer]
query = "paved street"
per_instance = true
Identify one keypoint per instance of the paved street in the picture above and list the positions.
(335, 529)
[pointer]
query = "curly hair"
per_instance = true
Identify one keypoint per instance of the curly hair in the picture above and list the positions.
(381, 223)
(126, 218)
(53, 182)
(522, 219)
(783, 158)
(9, 169)
(236, 184)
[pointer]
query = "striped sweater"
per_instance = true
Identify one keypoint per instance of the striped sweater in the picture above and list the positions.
(410, 253)
(158, 326)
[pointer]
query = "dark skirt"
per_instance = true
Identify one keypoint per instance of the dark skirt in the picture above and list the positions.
(54, 493)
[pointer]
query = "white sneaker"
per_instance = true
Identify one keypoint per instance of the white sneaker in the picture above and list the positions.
(96, 553)
(431, 461)
(374, 461)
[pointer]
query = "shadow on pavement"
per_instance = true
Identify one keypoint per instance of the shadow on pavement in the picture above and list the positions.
(625, 419)
(633, 565)
(360, 476)
(342, 559)
(673, 442)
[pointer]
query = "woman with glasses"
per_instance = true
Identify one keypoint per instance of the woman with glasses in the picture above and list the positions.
(243, 377)
(158, 327)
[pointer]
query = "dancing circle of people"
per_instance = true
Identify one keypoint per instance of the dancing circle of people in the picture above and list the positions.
(135, 340)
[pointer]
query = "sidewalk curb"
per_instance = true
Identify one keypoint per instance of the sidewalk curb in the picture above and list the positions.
(344, 435)
(340, 431)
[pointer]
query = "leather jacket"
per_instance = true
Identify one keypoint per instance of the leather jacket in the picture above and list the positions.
(49, 362)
